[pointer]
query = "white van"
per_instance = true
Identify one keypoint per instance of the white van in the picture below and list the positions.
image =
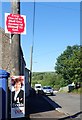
(38, 87)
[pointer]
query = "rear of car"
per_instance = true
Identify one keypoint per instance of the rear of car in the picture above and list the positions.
(48, 90)
(38, 88)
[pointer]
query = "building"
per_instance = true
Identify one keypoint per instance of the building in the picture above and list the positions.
(5, 62)
(11, 57)
(12, 60)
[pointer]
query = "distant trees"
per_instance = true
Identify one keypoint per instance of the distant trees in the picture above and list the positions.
(48, 78)
(68, 65)
(45, 78)
(68, 69)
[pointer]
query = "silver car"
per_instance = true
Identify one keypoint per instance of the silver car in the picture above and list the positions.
(47, 90)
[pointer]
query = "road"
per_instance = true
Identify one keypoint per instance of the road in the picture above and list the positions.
(59, 106)
(69, 103)
(38, 107)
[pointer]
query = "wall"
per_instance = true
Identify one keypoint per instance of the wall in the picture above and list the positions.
(27, 84)
(11, 57)
(5, 62)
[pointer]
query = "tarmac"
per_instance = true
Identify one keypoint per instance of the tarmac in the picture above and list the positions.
(37, 106)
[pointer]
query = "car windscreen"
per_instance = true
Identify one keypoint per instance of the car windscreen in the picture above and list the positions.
(47, 88)
(38, 86)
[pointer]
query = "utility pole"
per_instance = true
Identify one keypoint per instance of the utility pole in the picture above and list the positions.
(32, 47)
(31, 60)
(15, 42)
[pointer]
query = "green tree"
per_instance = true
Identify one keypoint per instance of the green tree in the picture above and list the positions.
(68, 64)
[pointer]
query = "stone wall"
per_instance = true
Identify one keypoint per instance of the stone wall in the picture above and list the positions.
(4, 51)
(11, 55)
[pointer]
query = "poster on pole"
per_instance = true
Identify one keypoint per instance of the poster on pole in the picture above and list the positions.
(17, 96)
(15, 23)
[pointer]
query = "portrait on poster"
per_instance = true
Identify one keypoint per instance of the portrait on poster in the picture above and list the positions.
(17, 91)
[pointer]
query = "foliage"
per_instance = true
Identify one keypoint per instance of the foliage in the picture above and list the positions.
(78, 91)
(68, 65)
(49, 78)
(68, 69)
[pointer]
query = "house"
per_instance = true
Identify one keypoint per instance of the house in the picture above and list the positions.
(11, 57)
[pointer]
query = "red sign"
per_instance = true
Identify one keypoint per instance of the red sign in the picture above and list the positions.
(15, 23)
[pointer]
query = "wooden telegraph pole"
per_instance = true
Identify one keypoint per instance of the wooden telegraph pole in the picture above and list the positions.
(15, 43)
(31, 60)
(32, 47)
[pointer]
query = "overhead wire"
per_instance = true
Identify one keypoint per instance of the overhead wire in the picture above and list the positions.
(47, 5)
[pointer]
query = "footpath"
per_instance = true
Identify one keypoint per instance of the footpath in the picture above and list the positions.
(38, 108)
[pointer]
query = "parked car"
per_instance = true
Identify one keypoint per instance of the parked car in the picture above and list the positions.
(38, 88)
(47, 90)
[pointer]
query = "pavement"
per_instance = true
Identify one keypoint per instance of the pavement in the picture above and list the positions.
(40, 106)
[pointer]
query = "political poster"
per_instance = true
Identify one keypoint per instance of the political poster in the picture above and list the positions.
(17, 96)
(15, 23)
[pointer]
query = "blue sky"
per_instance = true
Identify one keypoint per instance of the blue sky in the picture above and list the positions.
(57, 25)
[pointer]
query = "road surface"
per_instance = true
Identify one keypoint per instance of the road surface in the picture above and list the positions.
(38, 107)
(69, 103)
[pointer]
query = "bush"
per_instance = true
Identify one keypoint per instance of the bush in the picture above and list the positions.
(78, 91)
